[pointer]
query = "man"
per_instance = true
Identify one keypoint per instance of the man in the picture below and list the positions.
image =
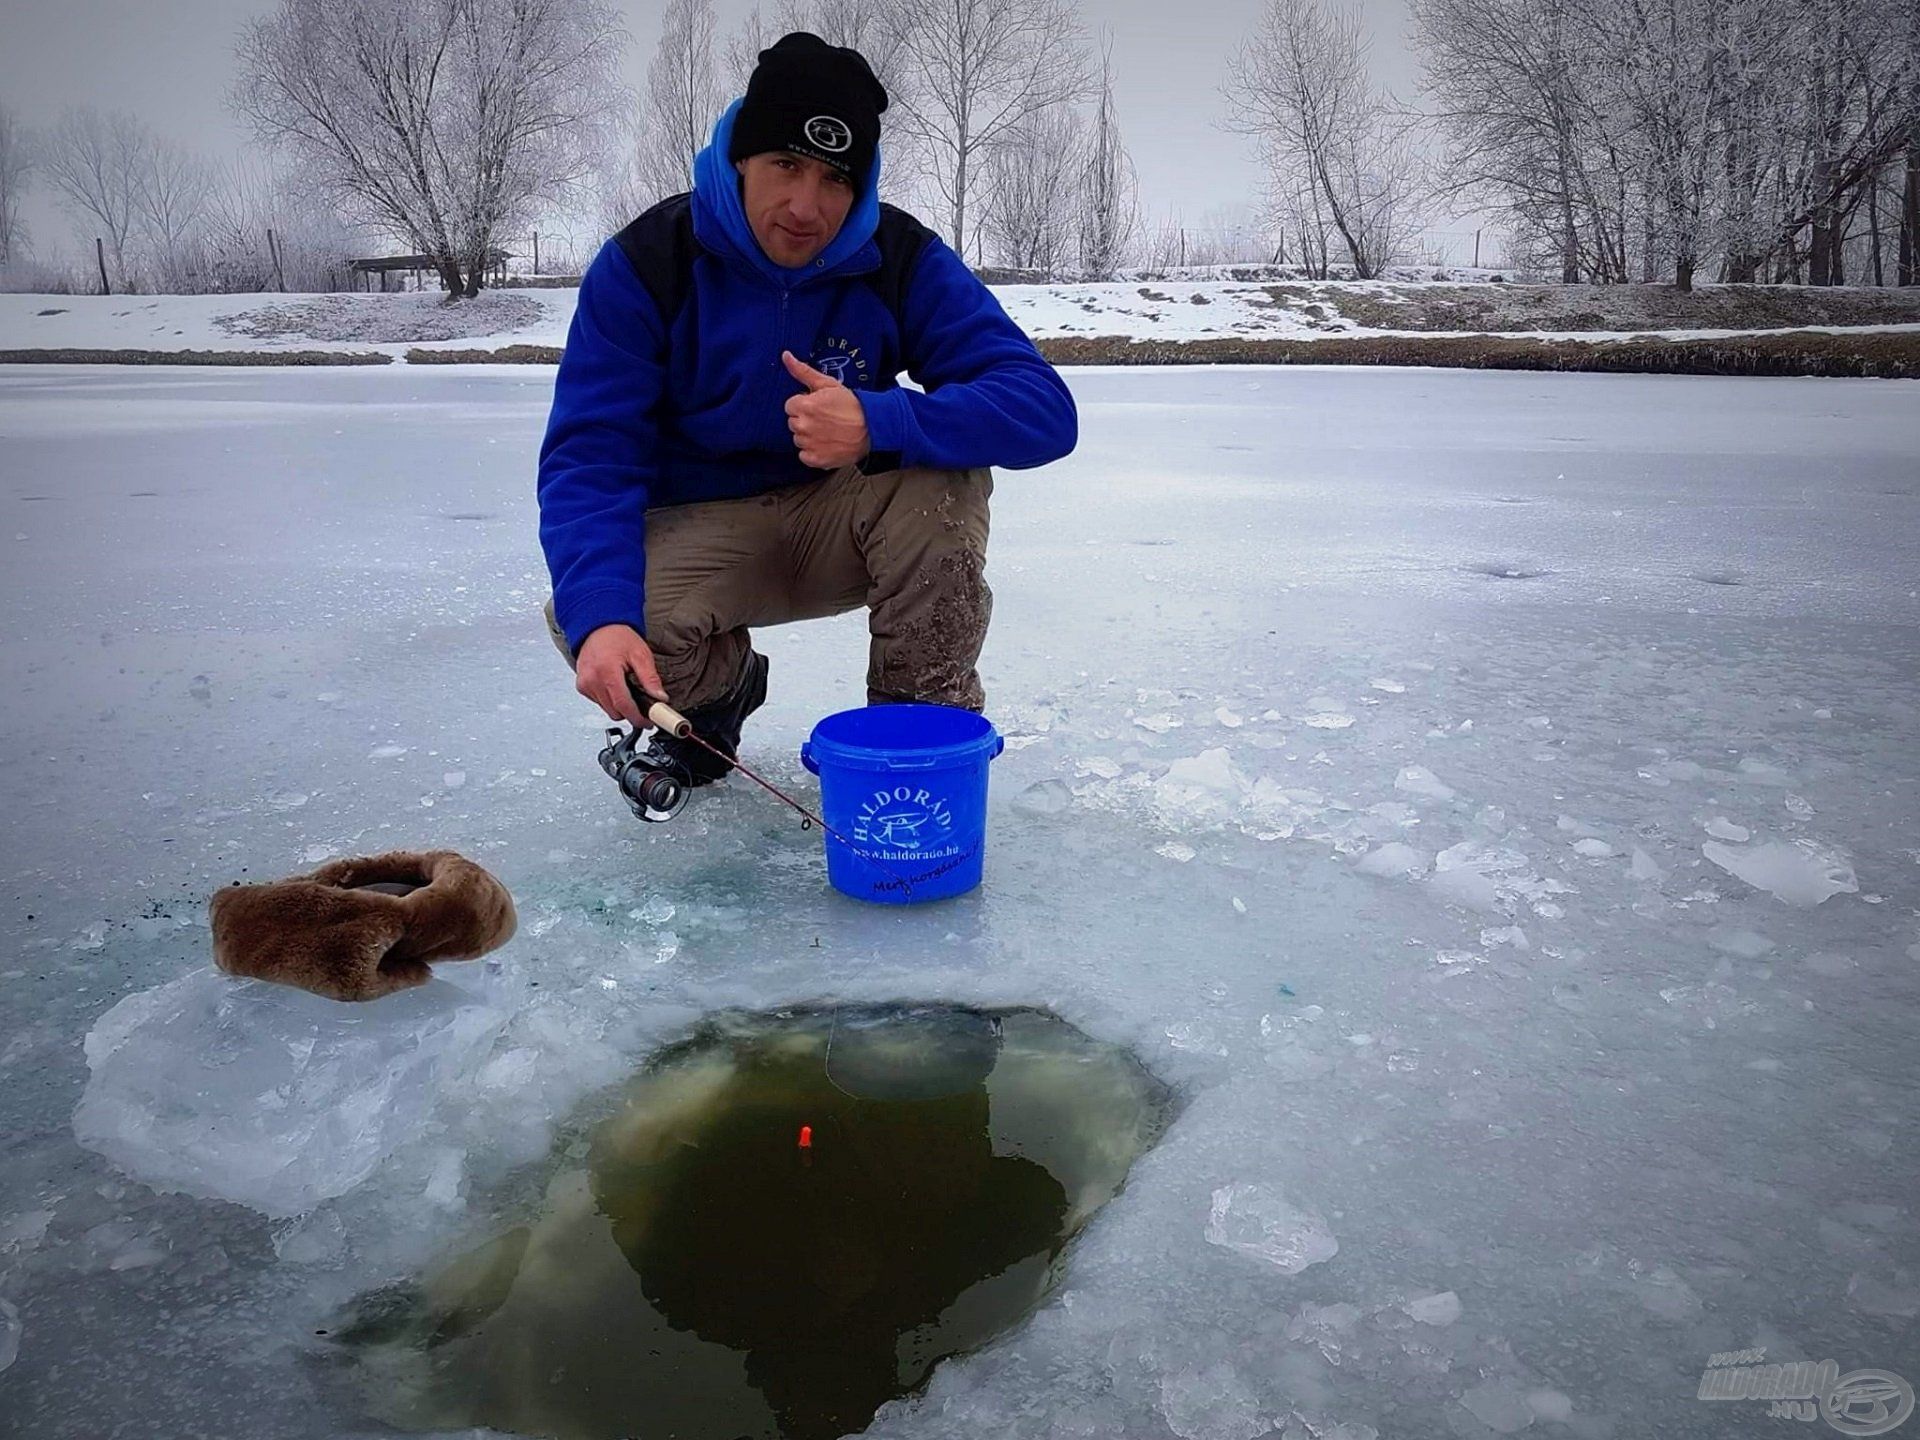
(728, 445)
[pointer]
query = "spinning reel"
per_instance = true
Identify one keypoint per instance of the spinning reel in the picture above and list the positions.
(653, 794)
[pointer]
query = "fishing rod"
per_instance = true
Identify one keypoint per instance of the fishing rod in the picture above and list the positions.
(673, 723)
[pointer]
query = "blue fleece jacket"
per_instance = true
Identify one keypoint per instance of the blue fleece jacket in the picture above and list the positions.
(644, 417)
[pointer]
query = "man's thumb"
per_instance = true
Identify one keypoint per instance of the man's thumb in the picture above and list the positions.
(806, 374)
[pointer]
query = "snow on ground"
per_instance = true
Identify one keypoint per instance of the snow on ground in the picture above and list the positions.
(1148, 310)
(1489, 798)
(366, 323)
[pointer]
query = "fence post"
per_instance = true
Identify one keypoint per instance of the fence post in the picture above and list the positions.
(100, 254)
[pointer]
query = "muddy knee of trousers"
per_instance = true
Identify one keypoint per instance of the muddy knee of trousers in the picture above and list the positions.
(696, 665)
(946, 501)
(929, 626)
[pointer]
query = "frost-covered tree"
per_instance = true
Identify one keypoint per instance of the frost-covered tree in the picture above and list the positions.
(16, 164)
(1910, 181)
(445, 123)
(962, 75)
(1510, 85)
(1856, 61)
(1033, 177)
(1674, 133)
(682, 99)
(653, 158)
(743, 52)
(95, 162)
(1109, 193)
(1671, 69)
(1300, 85)
(262, 229)
(170, 206)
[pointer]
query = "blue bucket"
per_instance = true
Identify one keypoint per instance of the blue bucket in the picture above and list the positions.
(907, 786)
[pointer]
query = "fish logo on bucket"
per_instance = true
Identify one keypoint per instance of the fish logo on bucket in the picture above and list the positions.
(905, 817)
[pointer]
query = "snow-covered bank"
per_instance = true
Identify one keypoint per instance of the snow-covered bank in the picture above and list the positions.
(1489, 799)
(1161, 311)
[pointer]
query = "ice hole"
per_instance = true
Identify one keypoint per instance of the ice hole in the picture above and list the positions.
(781, 1223)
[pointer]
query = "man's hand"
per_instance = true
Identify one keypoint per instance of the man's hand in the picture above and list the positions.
(610, 661)
(828, 425)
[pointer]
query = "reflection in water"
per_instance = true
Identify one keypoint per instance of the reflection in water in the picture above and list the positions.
(786, 1222)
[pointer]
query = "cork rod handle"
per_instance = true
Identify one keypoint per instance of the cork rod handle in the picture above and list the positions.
(669, 719)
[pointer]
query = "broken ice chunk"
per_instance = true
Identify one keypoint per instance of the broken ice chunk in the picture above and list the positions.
(1440, 1309)
(1798, 872)
(1499, 1405)
(1264, 1222)
(1393, 860)
(1742, 944)
(268, 1096)
(1418, 780)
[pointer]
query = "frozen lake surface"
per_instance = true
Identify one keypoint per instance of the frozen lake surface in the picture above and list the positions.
(1489, 799)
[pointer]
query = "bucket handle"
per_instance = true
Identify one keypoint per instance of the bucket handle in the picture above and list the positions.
(807, 758)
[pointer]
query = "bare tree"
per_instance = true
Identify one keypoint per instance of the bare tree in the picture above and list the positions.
(1910, 185)
(1109, 192)
(1231, 234)
(1156, 244)
(620, 190)
(1750, 130)
(16, 164)
(1033, 174)
(743, 52)
(96, 163)
(1300, 212)
(1669, 67)
(1858, 63)
(1300, 85)
(964, 73)
(856, 24)
(443, 122)
(681, 103)
(170, 203)
(263, 229)
(1510, 84)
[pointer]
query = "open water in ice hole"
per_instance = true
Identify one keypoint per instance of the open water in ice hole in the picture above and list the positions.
(785, 1221)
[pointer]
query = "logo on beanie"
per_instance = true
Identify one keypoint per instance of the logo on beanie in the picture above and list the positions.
(830, 134)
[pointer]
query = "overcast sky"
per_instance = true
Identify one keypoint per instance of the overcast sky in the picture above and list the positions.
(171, 64)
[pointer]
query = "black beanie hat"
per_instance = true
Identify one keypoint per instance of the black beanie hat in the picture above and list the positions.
(815, 99)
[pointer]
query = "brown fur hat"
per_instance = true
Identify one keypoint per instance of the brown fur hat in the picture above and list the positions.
(361, 928)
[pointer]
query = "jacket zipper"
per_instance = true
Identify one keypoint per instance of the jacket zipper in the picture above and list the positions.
(779, 344)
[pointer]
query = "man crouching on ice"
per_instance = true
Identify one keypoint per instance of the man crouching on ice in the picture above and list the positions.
(729, 446)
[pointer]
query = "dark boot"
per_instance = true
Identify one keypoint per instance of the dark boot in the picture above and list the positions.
(718, 722)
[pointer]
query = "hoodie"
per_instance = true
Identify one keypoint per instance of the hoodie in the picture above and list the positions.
(652, 410)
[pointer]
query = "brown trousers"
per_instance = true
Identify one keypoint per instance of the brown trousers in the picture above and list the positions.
(909, 545)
